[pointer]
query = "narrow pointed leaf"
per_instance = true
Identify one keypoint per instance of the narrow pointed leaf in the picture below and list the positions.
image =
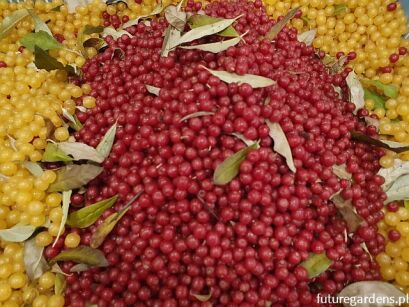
(356, 91)
(88, 215)
(316, 264)
(80, 151)
(66, 200)
(281, 145)
(57, 269)
(39, 25)
(115, 33)
(33, 167)
(104, 229)
(253, 80)
(341, 172)
(196, 114)
(242, 138)
(42, 60)
(34, 262)
(389, 90)
(377, 99)
(393, 146)
(229, 168)
(104, 147)
(281, 24)
(80, 267)
(60, 284)
(153, 90)
(307, 37)
(157, 10)
(53, 154)
(73, 177)
(17, 233)
(10, 21)
(83, 254)
(175, 17)
(364, 291)
(202, 297)
(218, 46)
(74, 122)
(199, 20)
(205, 30)
(170, 40)
(348, 213)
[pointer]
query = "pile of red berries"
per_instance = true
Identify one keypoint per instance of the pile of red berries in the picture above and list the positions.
(242, 243)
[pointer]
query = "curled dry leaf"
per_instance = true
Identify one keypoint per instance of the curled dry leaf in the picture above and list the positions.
(66, 200)
(202, 297)
(152, 89)
(33, 167)
(307, 37)
(218, 46)
(17, 233)
(348, 212)
(196, 114)
(34, 262)
(393, 146)
(80, 151)
(114, 33)
(10, 21)
(229, 168)
(341, 172)
(175, 17)
(281, 24)
(356, 91)
(104, 147)
(384, 291)
(316, 264)
(281, 145)
(88, 215)
(390, 174)
(83, 254)
(200, 20)
(242, 138)
(74, 176)
(253, 80)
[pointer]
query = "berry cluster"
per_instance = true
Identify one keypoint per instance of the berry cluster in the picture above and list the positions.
(243, 242)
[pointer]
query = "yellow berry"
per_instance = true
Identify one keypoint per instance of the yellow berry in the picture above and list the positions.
(72, 240)
(47, 280)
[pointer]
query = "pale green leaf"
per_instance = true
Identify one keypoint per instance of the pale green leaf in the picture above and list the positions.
(66, 200)
(254, 81)
(114, 33)
(74, 176)
(242, 138)
(10, 21)
(80, 151)
(390, 174)
(377, 99)
(281, 145)
(356, 91)
(199, 20)
(218, 46)
(33, 167)
(172, 35)
(229, 168)
(307, 37)
(34, 262)
(73, 120)
(53, 154)
(80, 267)
(104, 147)
(281, 24)
(316, 264)
(389, 90)
(41, 39)
(17, 233)
(83, 254)
(196, 114)
(399, 189)
(60, 284)
(39, 25)
(175, 17)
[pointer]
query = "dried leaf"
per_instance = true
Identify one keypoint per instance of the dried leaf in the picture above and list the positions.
(399, 190)
(338, 65)
(377, 99)
(104, 147)
(94, 42)
(341, 172)
(218, 46)
(196, 114)
(340, 9)
(316, 264)
(80, 151)
(385, 292)
(66, 200)
(53, 154)
(152, 89)
(242, 138)
(365, 248)
(348, 213)
(202, 297)
(60, 284)
(229, 168)
(17, 233)
(73, 177)
(172, 35)
(104, 229)
(88, 215)
(33, 167)
(205, 30)
(10, 21)
(87, 30)
(34, 261)
(356, 91)
(80, 267)
(74, 121)
(115, 33)
(83, 254)
(39, 25)
(389, 90)
(393, 146)
(200, 20)
(157, 10)
(307, 37)
(390, 174)
(281, 24)
(281, 145)
(42, 60)
(175, 17)
(253, 80)
(57, 269)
